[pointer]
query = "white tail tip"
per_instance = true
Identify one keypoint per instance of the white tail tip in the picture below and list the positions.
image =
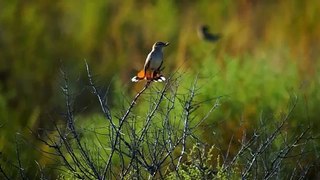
(160, 79)
(135, 79)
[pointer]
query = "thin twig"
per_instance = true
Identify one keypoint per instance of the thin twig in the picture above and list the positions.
(122, 120)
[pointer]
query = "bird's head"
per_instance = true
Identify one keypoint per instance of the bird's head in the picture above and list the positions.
(204, 28)
(160, 44)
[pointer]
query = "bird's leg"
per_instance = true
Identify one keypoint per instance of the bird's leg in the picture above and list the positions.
(152, 74)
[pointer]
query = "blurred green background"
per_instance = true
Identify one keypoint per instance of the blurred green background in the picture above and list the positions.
(268, 51)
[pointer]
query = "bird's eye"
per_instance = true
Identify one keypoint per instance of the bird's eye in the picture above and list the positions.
(160, 44)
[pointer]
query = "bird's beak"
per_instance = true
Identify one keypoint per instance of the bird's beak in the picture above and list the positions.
(167, 43)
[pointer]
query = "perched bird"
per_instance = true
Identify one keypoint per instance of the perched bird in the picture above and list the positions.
(203, 33)
(152, 67)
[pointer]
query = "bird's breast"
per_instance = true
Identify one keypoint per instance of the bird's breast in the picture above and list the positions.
(155, 61)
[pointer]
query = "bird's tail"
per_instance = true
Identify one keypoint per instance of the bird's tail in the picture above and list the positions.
(149, 76)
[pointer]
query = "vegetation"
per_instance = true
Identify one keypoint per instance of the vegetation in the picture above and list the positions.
(244, 106)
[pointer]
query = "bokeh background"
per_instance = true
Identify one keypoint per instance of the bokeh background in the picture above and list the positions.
(268, 52)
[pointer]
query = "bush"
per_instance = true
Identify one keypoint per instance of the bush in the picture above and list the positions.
(151, 137)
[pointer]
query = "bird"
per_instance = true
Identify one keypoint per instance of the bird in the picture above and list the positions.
(153, 65)
(203, 33)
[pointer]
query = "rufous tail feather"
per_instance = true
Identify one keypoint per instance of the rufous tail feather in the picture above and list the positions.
(148, 75)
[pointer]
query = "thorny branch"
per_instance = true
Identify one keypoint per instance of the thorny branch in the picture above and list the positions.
(142, 146)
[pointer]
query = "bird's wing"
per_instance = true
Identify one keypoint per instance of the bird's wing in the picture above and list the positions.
(147, 63)
(213, 37)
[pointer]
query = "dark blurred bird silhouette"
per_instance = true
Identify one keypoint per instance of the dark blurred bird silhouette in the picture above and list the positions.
(204, 34)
